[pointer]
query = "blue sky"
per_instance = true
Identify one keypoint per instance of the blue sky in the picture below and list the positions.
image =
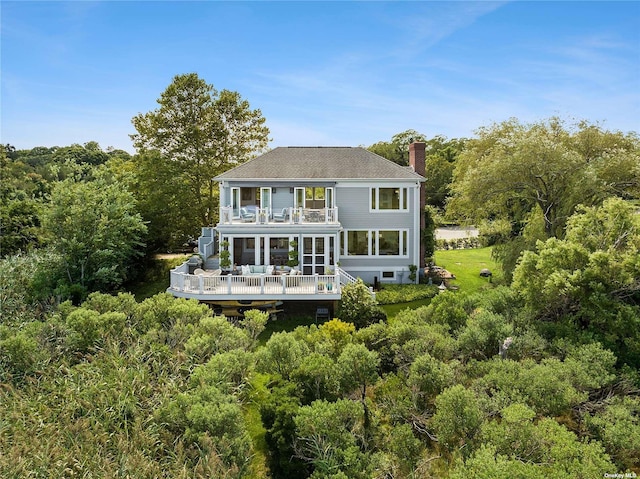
(322, 73)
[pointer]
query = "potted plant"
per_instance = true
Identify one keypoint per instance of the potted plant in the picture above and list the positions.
(293, 254)
(225, 256)
(412, 274)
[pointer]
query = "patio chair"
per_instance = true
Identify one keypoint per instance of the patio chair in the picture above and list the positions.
(281, 216)
(322, 314)
(247, 215)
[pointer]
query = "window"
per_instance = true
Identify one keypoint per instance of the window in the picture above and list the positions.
(389, 199)
(388, 274)
(247, 194)
(388, 243)
(375, 243)
(358, 243)
(314, 193)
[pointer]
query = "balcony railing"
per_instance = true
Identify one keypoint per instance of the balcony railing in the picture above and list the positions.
(263, 216)
(238, 286)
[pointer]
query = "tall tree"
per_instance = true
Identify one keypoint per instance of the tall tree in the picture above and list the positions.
(95, 228)
(440, 161)
(201, 133)
(511, 169)
(541, 172)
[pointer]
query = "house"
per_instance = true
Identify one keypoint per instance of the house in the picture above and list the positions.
(296, 222)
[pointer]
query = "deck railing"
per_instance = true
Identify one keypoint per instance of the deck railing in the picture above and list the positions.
(293, 216)
(244, 285)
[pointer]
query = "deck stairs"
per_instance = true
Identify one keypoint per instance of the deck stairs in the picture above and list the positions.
(346, 278)
(212, 263)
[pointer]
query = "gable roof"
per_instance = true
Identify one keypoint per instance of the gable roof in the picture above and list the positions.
(319, 163)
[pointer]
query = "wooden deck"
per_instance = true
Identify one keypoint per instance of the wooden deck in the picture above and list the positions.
(210, 287)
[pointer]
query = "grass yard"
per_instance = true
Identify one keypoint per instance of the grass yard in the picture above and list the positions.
(466, 264)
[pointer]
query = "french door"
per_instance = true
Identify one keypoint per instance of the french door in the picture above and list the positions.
(317, 254)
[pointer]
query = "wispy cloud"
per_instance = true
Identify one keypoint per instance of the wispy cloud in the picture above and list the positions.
(426, 24)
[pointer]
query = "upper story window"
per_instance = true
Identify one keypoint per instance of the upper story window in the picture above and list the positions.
(385, 199)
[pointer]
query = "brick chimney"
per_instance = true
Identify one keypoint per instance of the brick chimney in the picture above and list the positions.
(417, 157)
(417, 162)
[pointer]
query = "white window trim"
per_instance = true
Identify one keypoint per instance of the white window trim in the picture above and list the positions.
(374, 246)
(403, 200)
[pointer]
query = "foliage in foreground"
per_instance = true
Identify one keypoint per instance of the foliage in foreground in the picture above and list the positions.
(161, 388)
(492, 384)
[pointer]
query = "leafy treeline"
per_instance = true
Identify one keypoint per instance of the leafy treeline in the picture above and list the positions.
(521, 182)
(101, 211)
(535, 380)
(527, 180)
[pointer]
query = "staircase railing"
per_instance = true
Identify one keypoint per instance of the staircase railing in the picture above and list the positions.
(346, 278)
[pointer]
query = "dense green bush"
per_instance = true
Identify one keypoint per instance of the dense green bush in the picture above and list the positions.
(404, 293)
(358, 306)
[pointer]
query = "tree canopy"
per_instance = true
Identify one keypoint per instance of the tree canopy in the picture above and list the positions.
(591, 279)
(512, 169)
(535, 176)
(96, 230)
(199, 132)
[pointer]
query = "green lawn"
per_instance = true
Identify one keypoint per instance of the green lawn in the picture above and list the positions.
(466, 264)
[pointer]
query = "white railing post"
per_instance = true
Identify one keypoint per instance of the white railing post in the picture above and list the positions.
(229, 284)
(201, 283)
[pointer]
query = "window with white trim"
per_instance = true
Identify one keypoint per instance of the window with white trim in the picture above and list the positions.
(375, 242)
(389, 199)
(357, 243)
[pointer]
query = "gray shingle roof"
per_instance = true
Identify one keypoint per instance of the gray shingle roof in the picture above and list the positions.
(319, 163)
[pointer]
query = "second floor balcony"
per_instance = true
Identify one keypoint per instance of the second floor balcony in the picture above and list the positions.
(255, 215)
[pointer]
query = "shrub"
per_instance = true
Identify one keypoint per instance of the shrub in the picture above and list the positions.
(89, 328)
(358, 306)
(458, 418)
(20, 354)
